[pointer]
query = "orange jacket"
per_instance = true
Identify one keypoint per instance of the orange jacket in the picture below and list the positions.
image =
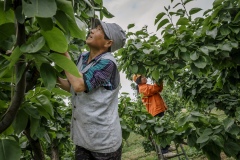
(152, 98)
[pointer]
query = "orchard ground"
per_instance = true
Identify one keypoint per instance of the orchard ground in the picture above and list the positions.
(133, 150)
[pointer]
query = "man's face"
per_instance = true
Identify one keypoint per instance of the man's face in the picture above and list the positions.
(96, 38)
(143, 79)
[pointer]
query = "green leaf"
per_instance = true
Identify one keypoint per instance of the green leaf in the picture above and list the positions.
(34, 125)
(65, 16)
(14, 57)
(56, 40)
(33, 46)
(207, 131)
(171, 75)
(187, 1)
(237, 18)
(9, 150)
(162, 23)
(125, 134)
(204, 49)
(66, 7)
(226, 47)
(39, 8)
(185, 56)
(48, 75)
(234, 130)
(206, 12)
(200, 62)
(98, 1)
(225, 31)
(212, 33)
(156, 75)
(58, 91)
(158, 129)
(170, 132)
(163, 52)
(20, 122)
(176, 5)
(211, 48)
(62, 20)
(31, 111)
(42, 111)
(196, 113)
(203, 138)
(194, 69)
(6, 30)
(228, 123)
(191, 139)
(64, 63)
(231, 148)
(106, 13)
(6, 16)
(194, 10)
(194, 56)
(130, 26)
(218, 140)
(77, 29)
(183, 49)
(176, 52)
(182, 21)
(159, 17)
(45, 104)
(134, 68)
(45, 23)
(143, 126)
(217, 3)
(234, 44)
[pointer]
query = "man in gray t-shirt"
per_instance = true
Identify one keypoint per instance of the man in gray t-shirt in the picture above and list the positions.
(95, 127)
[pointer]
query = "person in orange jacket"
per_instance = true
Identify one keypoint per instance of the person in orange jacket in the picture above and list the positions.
(151, 97)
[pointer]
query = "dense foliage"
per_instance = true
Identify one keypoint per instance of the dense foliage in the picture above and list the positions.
(198, 57)
(34, 118)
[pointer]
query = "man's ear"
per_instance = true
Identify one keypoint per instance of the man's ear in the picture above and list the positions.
(108, 43)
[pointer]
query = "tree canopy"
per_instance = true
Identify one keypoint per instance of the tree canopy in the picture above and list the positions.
(199, 59)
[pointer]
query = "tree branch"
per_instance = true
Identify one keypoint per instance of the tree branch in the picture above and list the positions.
(19, 91)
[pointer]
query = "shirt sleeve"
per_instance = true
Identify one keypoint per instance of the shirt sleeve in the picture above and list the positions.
(149, 90)
(99, 75)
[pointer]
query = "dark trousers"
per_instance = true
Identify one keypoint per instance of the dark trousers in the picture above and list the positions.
(84, 154)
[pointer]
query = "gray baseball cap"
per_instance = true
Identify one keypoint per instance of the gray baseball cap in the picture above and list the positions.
(113, 32)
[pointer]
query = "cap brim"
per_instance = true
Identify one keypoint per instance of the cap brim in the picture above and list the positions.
(98, 22)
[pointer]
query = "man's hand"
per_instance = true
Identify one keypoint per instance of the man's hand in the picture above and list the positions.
(66, 54)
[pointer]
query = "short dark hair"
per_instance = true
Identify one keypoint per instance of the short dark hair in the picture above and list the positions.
(106, 37)
(138, 80)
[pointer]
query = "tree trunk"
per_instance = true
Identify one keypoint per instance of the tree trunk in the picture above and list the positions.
(35, 145)
(54, 152)
(19, 90)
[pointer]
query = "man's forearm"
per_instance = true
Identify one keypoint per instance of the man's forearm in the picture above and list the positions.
(77, 83)
(64, 84)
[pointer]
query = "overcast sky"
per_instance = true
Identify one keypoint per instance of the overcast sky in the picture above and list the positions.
(141, 13)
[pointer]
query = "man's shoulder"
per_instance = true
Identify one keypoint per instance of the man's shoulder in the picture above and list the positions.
(108, 56)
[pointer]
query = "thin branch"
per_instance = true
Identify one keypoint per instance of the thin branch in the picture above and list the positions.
(19, 90)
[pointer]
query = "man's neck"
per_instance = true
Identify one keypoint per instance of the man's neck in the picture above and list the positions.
(95, 53)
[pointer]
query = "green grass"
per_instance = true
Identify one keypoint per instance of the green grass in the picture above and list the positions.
(133, 150)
